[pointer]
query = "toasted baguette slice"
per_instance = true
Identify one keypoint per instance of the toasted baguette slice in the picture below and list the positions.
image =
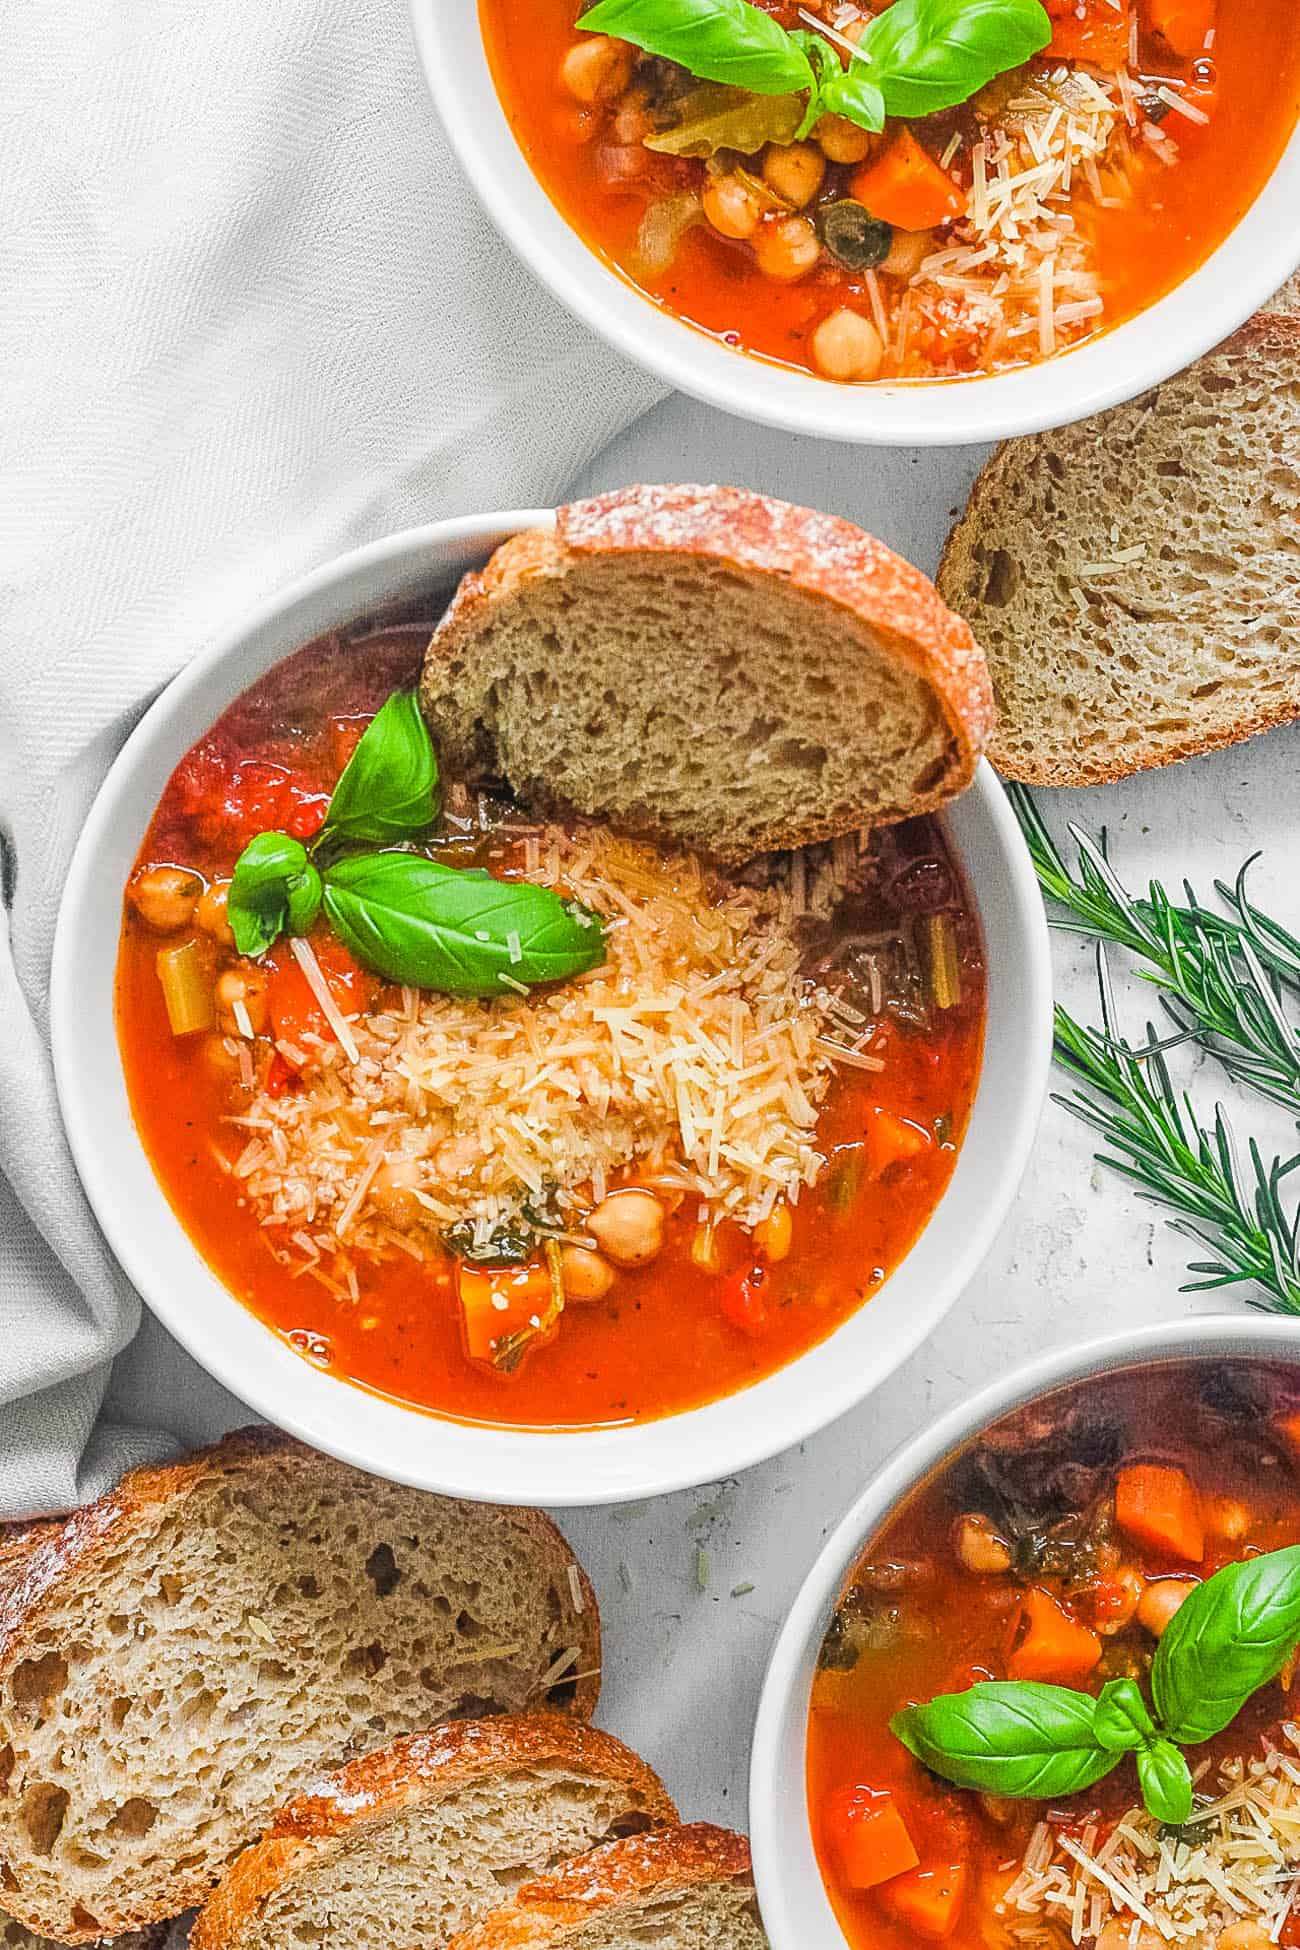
(1135, 579)
(182, 1655)
(710, 668)
(410, 1845)
(677, 1889)
(16, 1936)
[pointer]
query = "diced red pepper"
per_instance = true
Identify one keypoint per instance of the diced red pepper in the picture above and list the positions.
(308, 816)
(868, 1836)
(279, 1075)
(742, 1300)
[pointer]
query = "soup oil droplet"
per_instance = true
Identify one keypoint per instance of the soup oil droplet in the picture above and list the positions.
(313, 1347)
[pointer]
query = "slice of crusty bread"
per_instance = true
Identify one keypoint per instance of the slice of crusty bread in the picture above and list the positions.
(1135, 579)
(711, 668)
(410, 1845)
(183, 1654)
(676, 1889)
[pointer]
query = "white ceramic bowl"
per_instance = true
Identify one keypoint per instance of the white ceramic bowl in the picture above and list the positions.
(523, 1466)
(792, 1896)
(1241, 275)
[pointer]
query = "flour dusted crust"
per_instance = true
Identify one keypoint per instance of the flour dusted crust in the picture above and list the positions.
(860, 588)
(419, 1770)
(616, 1876)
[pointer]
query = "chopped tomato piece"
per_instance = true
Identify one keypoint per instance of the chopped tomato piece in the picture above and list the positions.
(1185, 26)
(1047, 1643)
(1158, 1507)
(1091, 30)
(742, 1300)
(279, 1075)
(906, 187)
(868, 1835)
(892, 1140)
(499, 1301)
(308, 816)
(928, 1900)
(295, 1012)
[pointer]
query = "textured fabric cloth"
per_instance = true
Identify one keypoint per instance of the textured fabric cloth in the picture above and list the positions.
(251, 315)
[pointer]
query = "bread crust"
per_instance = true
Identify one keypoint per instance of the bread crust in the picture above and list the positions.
(40, 1566)
(657, 1864)
(417, 1770)
(827, 559)
(1004, 477)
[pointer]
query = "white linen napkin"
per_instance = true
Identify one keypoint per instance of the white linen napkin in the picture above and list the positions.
(251, 315)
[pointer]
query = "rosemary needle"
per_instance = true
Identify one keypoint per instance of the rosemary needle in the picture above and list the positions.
(1224, 980)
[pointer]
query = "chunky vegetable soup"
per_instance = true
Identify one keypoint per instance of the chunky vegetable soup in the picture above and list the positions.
(1122, 1552)
(980, 187)
(520, 1121)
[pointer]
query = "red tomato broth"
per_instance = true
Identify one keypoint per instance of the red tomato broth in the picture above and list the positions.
(1250, 90)
(665, 1338)
(943, 1628)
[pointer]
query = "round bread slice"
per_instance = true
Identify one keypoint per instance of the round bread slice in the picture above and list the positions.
(412, 1844)
(1135, 579)
(677, 1889)
(709, 668)
(178, 1658)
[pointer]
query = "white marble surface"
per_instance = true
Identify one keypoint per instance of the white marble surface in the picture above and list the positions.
(1077, 1257)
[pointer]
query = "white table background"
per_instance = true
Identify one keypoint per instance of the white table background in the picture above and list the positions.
(1078, 1256)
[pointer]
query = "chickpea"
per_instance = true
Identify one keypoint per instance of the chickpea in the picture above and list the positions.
(787, 248)
(1120, 1608)
(907, 252)
(628, 1227)
(1160, 1601)
(843, 141)
(393, 1189)
(597, 68)
(731, 206)
(1245, 1935)
(242, 985)
(1226, 1517)
(165, 898)
(219, 1057)
(794, 172)
(773, 1234)
(586, 1275)
(847, 346)
(211, 915)
(979, 1548)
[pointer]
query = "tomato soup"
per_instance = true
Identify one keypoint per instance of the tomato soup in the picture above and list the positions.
(382, 1206)
(1058, 1548)
(1064, 196)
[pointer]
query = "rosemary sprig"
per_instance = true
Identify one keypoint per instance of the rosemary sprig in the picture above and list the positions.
(1223, 979)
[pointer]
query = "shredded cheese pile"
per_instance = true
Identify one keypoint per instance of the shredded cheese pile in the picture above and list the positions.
(1239, 1860)
(698, 1051)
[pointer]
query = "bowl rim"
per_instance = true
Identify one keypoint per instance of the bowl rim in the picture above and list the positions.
(497, 1462)
(802, 1918)
(1235, 280)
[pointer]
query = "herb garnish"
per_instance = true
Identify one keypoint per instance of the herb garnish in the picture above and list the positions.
(915, 58)
(409, 918)
(1029, 1741)
(1228, 982)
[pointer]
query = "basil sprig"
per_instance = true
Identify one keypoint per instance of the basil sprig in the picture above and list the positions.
(456, 930)
(916, 57)
(409, 918)
(1029, 1741)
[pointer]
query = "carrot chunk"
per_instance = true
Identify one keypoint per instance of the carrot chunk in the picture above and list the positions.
(927, 1901)
(1158, 1507)
(499, 1301)
(1090, 30)
(1186, 26)
(907, 188)
(1048, 1644)
(891, 1140)
(868, 1835)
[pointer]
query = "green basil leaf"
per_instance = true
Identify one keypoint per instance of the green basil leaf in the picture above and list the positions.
(434, 927)
(275, 886)
(1010, 1737)
(1122, 1722)
(388, 789)
(1230, 1636)
(925, 55)
(718, 40)
(713, 117)
(1166, 1782)
(854, 94)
